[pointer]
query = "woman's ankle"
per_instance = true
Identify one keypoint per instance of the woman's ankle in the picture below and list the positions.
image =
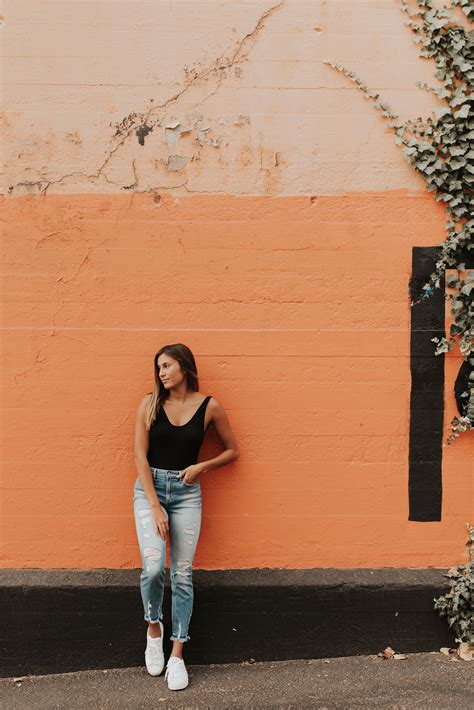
(154, 631)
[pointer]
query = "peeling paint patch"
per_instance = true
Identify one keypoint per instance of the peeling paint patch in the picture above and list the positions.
(201, 130)
(202, 137)
(174, 131)
(177, 162)
(142, 132)
(123, 127)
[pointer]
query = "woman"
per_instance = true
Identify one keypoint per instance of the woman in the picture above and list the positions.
(169, 431)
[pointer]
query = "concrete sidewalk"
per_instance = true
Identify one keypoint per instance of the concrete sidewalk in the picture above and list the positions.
(63, 621)
(422, 680)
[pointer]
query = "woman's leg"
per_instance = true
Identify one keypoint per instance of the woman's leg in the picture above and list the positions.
(184, 526)
(153, 553)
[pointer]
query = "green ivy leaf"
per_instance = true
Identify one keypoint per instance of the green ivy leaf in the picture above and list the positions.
(463, 112)
(440, 148)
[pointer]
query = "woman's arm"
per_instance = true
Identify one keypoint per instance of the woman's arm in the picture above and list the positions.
(222, 426)
(141, 450)
(142, 438)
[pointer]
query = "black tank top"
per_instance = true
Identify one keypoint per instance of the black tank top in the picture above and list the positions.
(176, 447)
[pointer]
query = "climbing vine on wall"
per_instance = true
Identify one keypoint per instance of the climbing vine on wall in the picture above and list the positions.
(441, 149)
(456, 605)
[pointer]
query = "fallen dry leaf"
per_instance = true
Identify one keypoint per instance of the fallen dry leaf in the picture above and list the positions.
(390, 655)
(387, 654)
(465, 651)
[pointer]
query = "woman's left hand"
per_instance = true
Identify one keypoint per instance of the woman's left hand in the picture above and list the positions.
(191, 474)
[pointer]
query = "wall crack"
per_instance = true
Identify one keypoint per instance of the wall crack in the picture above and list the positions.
(141, 124)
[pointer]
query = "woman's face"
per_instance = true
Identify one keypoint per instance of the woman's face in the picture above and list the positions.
(169, 371)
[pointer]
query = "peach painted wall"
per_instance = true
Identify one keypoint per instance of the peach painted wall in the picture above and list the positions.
(267, 221)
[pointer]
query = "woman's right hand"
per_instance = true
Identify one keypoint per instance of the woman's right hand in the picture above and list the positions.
(160, 516)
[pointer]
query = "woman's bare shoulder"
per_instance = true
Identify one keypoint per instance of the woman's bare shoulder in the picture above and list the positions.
(145, 401)
(214, 405)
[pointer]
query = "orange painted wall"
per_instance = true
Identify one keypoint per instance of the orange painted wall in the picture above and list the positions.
(297, 310)
(266, 219)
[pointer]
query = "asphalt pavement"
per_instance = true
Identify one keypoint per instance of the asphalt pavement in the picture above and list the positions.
(421, 680)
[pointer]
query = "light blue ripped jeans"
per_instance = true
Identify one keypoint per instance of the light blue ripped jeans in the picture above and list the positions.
(182, 502)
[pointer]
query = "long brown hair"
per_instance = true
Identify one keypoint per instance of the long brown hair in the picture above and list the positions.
(160, 394)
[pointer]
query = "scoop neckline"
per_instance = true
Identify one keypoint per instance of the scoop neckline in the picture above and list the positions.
(178, 426)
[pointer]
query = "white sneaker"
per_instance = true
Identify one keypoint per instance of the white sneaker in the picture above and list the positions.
(154, 657)
(176, 673)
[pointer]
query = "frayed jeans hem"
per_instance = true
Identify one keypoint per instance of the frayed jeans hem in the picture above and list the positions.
(173, 638)
(152, 621)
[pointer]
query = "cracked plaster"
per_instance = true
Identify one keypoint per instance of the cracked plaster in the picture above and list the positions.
(246, 118)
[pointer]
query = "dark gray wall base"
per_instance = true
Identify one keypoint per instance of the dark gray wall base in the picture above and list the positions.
(65, 620)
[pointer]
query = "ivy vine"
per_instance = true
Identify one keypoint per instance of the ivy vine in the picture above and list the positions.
(441, 149)
(456, 604)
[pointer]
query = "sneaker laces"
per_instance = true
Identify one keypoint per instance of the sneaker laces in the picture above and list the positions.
(170, 667)
(154, 651)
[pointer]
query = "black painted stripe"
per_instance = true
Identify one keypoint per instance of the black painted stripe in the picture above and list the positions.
(427, 388)
(427, 392)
